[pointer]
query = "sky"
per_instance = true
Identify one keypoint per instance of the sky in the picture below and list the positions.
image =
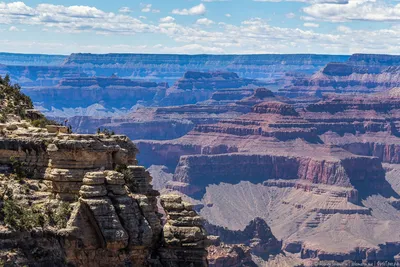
(200, 26)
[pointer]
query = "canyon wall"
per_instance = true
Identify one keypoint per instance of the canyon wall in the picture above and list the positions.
(361, 73)
(194, 173)
(171, 67)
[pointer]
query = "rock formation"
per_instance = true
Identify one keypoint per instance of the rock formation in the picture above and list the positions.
(221, 255)
(362, 73)
(184, 236)
(200, 86)
(82, 200)
(257, 236)
(304, 169)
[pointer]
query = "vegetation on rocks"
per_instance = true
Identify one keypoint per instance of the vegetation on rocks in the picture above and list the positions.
(105, 131)
(12, 100)
(20, 213)
(60, 216)
(42, 122)
(19, 168)
(131, 182)
(22, 218)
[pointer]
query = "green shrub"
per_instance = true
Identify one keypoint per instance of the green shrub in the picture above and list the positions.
(12, 100)
(61, 215)
(105, 131)
(121, 167)
(18, 168)
(128, 176)
(24, 218)
(21, 169)
(43, 122)
(20, 218)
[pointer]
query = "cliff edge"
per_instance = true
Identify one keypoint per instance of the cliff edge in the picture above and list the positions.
(82, 200)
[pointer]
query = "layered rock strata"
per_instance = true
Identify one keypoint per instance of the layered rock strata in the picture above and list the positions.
(361, 74)
(168, 67)
(313, 172)
(183, 234)
(114, 217)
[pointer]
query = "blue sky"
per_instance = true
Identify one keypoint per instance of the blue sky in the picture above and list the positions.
(201, 26)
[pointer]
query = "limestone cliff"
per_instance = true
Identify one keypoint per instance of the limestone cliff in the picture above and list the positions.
(82, 200)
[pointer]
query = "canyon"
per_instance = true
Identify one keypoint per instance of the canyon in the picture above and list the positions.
(323, 168)
(283, 160)
(360, 74)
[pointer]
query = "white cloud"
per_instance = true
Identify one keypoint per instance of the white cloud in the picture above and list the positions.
(63, 48)
(306, 1)
(17, 9)
(71, 19)
(204, 21)
(290, 15)
(311, 25)
(196, 10)
(228, 15)
(125, 10)
(307, 18)
(148, 8)
(215, 1)
(251, 36)
(343, 29)
(190, 49)
(167, 19)
(363, 10)
(13, 29)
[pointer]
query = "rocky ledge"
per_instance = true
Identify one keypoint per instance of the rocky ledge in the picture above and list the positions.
(112, 219)
(82, 200)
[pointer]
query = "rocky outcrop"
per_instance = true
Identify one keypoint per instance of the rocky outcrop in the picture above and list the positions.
(275, 107)
(125, 221)
(82, 200)
(260, 95)
(183, 235)
(114, 219)
(257, 236)
(230, 255)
